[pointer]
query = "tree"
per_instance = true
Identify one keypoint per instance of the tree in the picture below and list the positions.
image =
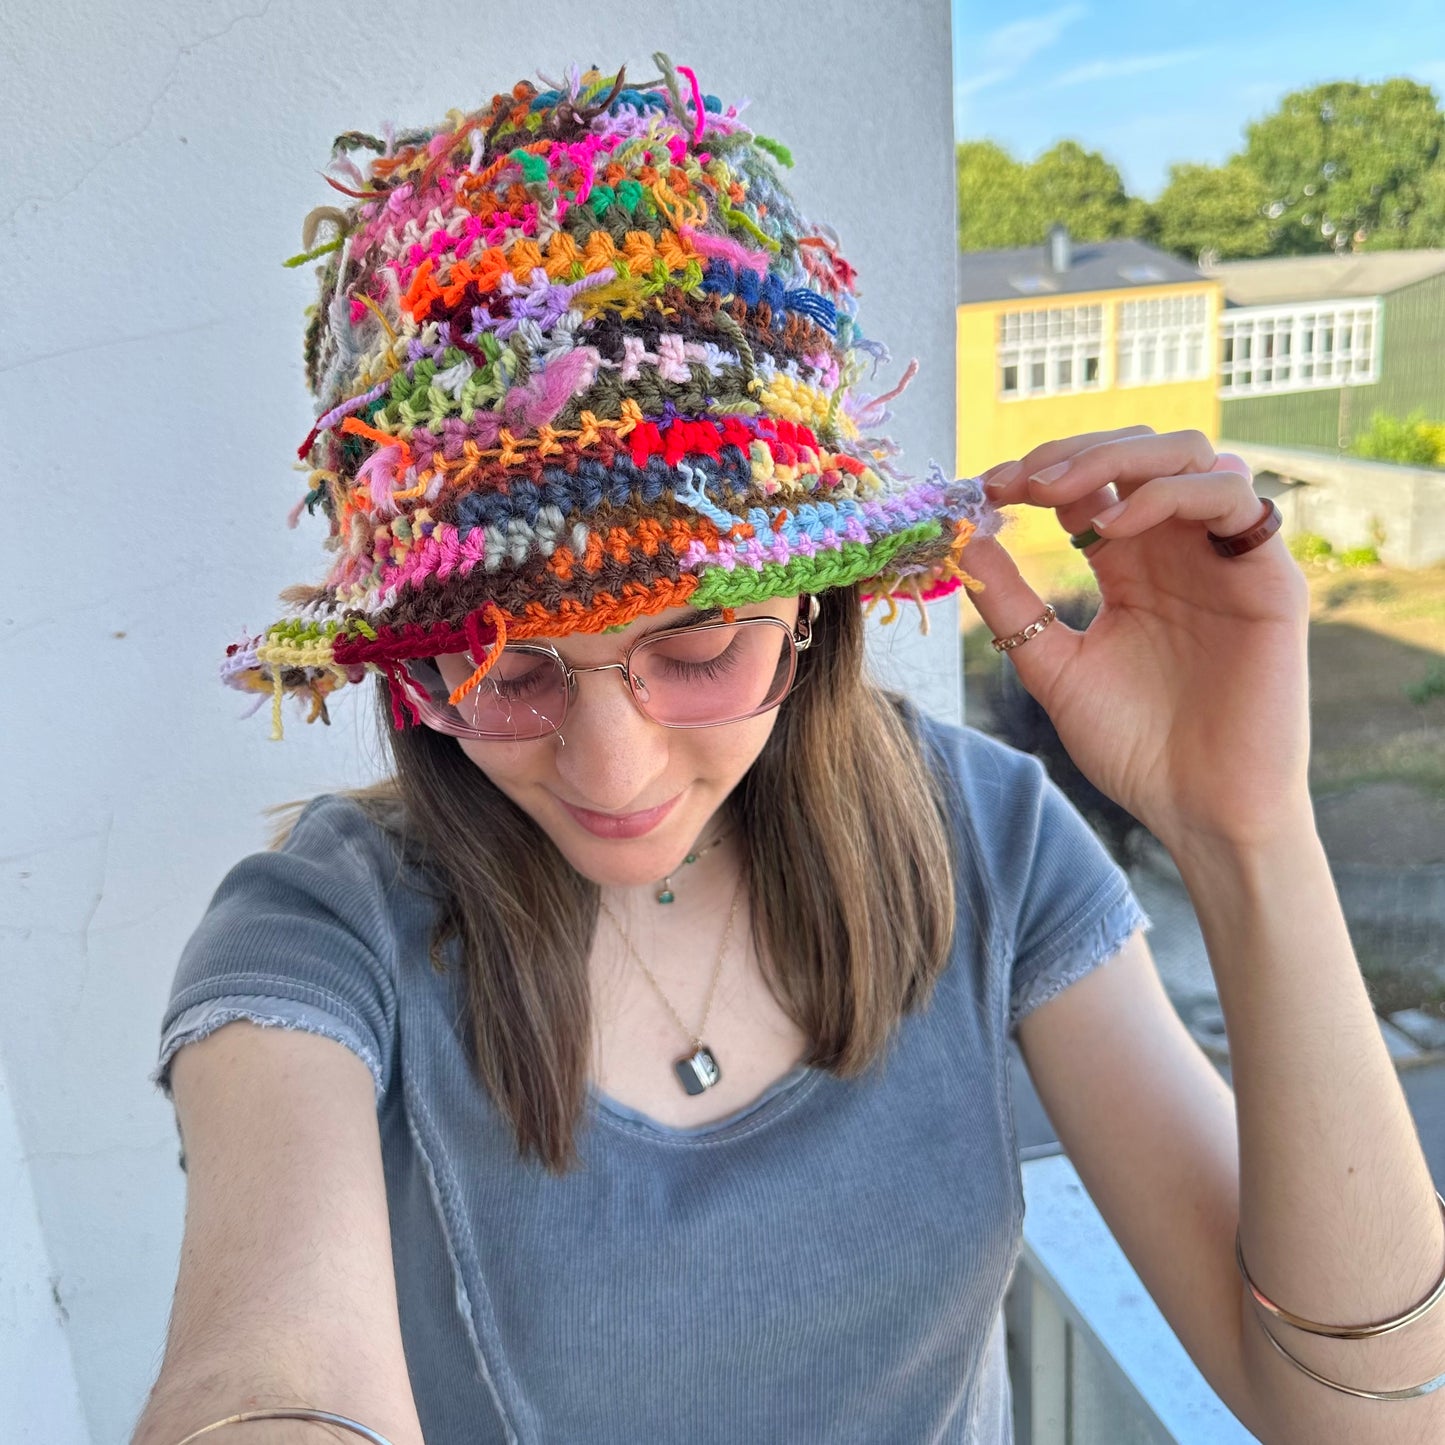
(1216, 209)
(1085, 192)
(1426, 227)
(995, 207)
(1344, 164)
(1003, 203)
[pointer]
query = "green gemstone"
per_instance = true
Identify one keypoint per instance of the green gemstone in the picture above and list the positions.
(691, 858)
(666, 896)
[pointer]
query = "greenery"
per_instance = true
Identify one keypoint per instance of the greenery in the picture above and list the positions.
(1359, 557)
(1309, 547)
(1431, 685)
(1413, 440)
(1065, 183)
(1342, 166)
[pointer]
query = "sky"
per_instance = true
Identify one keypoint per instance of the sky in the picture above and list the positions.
(1150, 82)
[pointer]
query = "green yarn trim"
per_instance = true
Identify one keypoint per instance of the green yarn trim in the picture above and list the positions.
(305, 256)
(852, 562)
(774, 148)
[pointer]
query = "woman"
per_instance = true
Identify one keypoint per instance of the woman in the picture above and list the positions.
(672, 972)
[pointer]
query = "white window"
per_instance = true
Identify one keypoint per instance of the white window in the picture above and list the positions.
(1049, 351)
(1298, 347)
(1162, 338)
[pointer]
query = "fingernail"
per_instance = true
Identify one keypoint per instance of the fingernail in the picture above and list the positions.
(1050, 474)
(1109, 514)
(1009, 472)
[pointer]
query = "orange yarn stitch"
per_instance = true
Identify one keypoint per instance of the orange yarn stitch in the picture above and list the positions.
(493, 614)
(381, 438)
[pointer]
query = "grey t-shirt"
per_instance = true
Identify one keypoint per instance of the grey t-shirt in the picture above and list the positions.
(825, 1266)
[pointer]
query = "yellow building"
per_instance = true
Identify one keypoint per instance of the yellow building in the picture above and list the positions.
(1080, 336)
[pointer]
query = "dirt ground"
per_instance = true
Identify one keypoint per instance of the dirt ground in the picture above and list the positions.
(1377, 769)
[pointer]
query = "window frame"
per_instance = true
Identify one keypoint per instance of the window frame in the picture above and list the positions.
(1062, 340)
(1284, 341)
(1171, 330)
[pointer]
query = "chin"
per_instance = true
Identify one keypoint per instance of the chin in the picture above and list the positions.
(628, 862)
(606, 871)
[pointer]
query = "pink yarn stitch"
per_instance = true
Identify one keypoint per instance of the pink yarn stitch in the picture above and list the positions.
(727, 249)
(698, 109)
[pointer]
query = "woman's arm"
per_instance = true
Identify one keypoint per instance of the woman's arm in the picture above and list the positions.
(1337, 1213)
(286, 1293)
(1186, 701)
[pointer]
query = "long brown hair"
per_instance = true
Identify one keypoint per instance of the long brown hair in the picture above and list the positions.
(849, 874)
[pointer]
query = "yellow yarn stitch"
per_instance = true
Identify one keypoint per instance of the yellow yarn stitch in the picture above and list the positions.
(795, 400)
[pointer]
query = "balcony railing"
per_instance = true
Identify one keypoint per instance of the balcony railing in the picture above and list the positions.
(1091, 1359)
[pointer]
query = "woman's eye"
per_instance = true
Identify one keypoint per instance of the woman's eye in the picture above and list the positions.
(699, 663)
(522, 684)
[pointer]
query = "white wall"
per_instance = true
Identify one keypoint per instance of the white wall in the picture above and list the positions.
(38, 1395)
(162, 157)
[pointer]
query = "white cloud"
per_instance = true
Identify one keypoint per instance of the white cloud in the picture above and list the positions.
(1124, 65)
(1003, 52)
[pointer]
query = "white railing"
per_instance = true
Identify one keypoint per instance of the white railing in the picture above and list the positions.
(1091, 1358)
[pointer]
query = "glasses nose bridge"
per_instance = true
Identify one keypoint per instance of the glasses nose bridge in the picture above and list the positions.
(621, 666)
(599, 667)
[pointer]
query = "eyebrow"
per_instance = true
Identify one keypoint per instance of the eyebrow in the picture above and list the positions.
(710, 614)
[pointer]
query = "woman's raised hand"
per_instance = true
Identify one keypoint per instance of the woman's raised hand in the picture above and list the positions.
(1186, 698)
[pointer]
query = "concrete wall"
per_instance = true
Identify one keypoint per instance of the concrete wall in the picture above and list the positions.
(1343, 498)
(153, 401)
(38, 1395)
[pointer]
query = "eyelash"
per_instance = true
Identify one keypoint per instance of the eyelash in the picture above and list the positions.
(724, 662)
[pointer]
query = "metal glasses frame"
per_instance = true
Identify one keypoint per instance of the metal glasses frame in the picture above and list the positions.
(800, 637)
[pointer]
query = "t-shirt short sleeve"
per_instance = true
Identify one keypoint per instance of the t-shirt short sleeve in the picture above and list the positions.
(297, 938)
(1054, 902)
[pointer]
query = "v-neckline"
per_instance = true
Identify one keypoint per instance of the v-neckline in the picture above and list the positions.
(614, 1110)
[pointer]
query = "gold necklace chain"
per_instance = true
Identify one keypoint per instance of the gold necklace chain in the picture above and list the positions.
(694, 1036)
(665, 893)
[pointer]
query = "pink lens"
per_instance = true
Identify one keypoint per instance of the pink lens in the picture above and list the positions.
(713, 673)
(523, 696)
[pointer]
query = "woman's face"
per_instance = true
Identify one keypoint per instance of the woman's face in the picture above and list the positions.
(623, 798)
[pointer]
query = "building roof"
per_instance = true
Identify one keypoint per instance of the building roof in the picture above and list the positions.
(1320, 278)
(1093, 266)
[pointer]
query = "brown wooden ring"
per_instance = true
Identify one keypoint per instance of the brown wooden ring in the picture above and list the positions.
(1252, 537)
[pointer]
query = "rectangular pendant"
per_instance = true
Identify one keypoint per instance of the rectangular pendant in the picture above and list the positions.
(698, 1071)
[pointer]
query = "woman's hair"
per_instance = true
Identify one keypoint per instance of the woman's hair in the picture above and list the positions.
(850, 882)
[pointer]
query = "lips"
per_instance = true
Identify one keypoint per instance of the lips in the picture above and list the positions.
(620, 825)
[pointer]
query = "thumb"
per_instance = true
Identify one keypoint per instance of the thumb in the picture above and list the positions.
(1007, 604)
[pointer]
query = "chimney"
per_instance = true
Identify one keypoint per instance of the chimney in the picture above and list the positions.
(1061, 252)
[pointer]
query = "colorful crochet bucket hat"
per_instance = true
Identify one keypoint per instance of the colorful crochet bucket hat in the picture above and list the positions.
(577, 357)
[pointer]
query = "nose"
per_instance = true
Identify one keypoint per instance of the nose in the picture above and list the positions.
(612, 755)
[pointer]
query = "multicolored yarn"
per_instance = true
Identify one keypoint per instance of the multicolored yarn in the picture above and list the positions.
(578, 358)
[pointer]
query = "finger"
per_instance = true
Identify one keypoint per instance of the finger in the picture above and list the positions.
(1124, 462)
(1226, 501)
(1007, 483)
(1007, 604)
(986, 476)
(1076, 516)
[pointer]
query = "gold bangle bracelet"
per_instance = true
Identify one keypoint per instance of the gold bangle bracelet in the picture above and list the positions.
(290, 1412)
(1341, 1332)
(1408, 1392)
